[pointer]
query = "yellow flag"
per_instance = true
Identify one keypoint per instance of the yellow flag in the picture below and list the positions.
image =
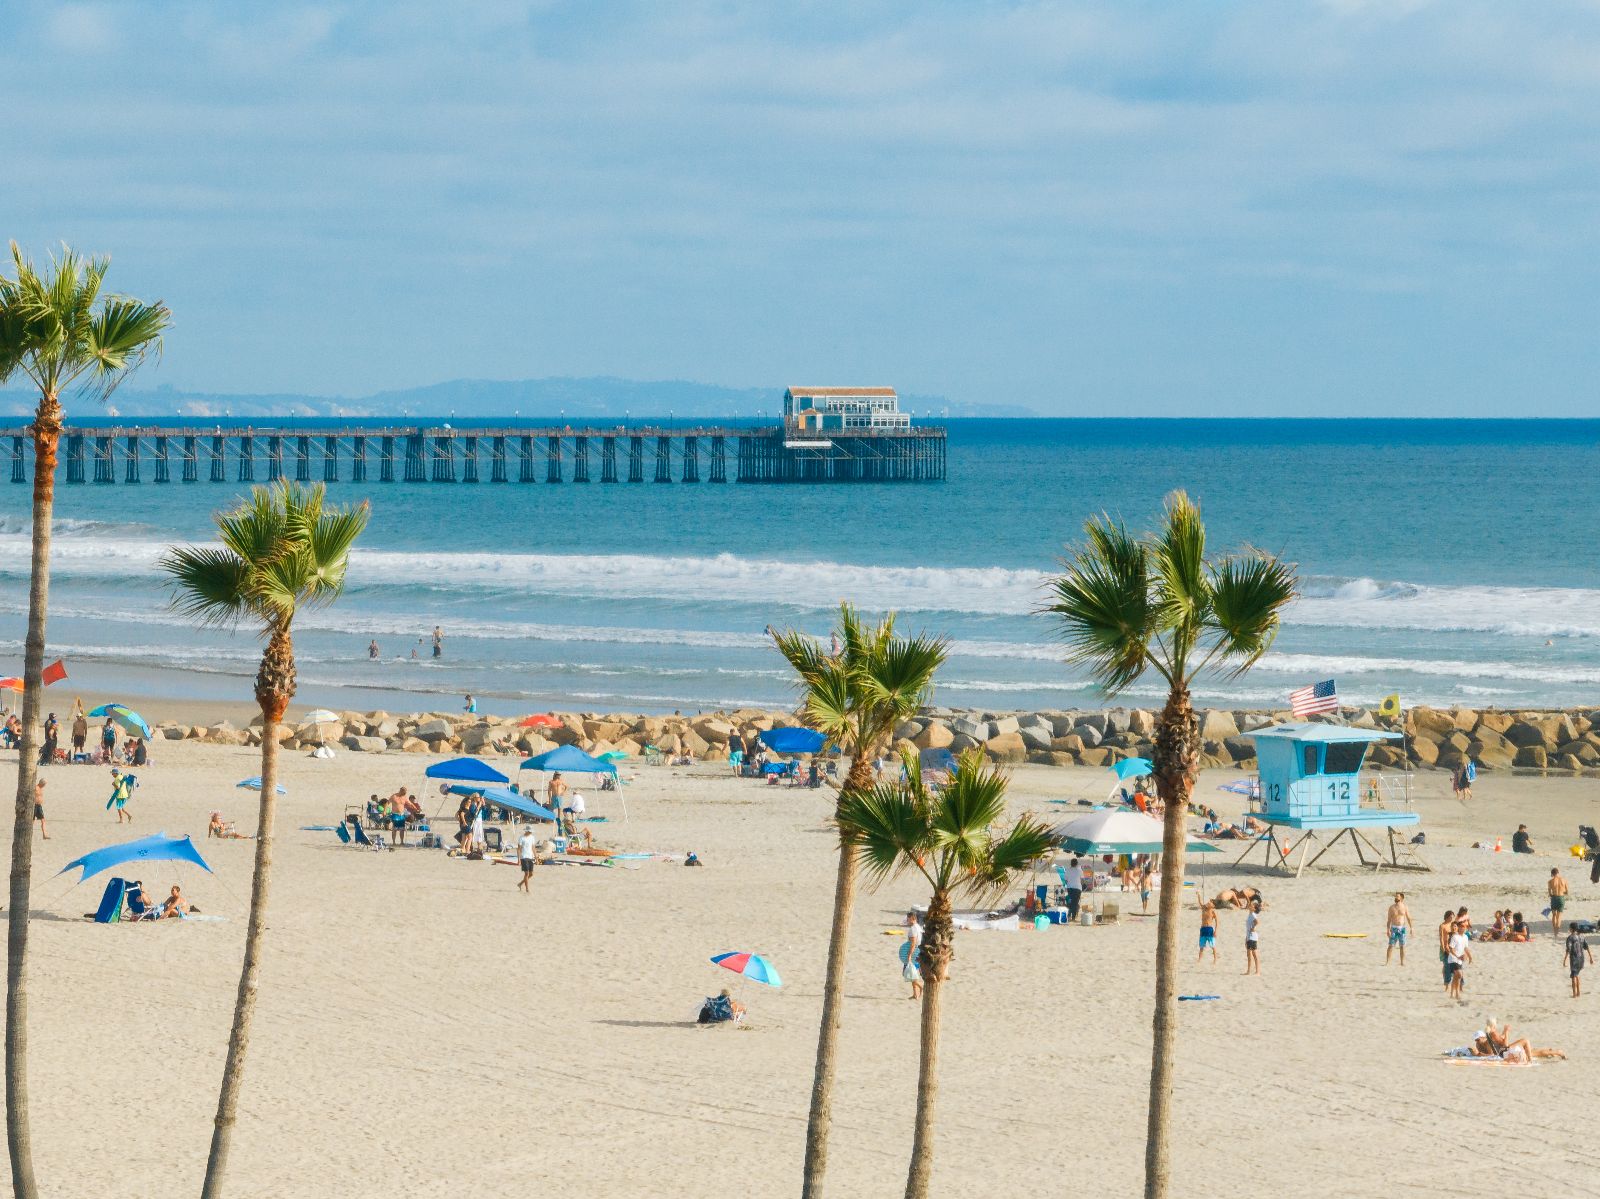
(1390, 705)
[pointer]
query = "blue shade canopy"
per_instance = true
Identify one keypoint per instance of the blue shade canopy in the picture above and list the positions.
(253, 783)
(1132, 768)
(156, 848)
(793, 741)
(471, 770)
(125, 716)
(501, 797)
(933, 760)
(571, 759)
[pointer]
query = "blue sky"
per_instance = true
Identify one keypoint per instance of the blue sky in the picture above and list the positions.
(1341, 208)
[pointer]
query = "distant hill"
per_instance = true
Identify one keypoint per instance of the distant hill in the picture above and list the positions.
(593, 397)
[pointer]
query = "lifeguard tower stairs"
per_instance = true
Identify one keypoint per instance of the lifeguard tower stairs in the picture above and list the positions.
(1310, 781)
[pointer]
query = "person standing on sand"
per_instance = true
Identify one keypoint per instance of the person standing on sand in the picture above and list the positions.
(1577, 950)
(80, 729)
(911, 969)
(38, 814)
(1455, 962)
(1252, 939)
(1072, 877)
(1399, 921)
(1558, 899)
(438, 642)
(1208, 931)
(527, 847)
(1145, 875)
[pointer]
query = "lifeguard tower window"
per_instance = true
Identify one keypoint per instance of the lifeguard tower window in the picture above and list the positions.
(1342, 757)
(1311, 759)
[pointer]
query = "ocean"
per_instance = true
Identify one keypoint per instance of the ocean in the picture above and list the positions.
(1451, 561)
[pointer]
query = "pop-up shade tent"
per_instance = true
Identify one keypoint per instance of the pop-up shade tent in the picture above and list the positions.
(505, 798)
(572, 760)
(158, 847)
(466, 770)
(793, 741)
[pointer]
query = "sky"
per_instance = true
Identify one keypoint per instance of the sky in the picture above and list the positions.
(1345, 208)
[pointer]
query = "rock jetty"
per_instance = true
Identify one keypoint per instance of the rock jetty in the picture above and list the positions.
(1436, 738)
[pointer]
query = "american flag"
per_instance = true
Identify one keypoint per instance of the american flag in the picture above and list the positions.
(1319, 697)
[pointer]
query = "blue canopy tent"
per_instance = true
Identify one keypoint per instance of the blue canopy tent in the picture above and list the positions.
(793, 741)
(158, 847)
(466, 770)
(570, 759)
(517, 802)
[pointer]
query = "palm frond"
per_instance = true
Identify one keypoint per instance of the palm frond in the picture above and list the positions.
(1178, 554)
(888, 831)
(211, 586)
(1103, 606)
(1249, 593)
(1009, 855)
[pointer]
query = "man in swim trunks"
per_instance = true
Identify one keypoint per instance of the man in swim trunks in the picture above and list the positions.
(1577, 950)
(38, 807)
(1399, 921)
(1558, 899)
(1208, 931)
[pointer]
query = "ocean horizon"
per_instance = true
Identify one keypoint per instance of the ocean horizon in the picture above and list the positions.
(1449, 560)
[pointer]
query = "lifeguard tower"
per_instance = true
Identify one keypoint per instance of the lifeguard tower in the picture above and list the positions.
(1310, 776)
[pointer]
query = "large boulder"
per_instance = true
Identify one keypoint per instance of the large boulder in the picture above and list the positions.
(1004, 724)
(1217, 726)
(1096, 757)
(908, 730)
(1095, 720)
(365, 745)
(1424, 751)
(1070, 744)
(1495, 722)
(1007, 747)
(1432, 722)
(1036, 738)
(965, 726)
(960, 743)
(1532, 756)
(1142, 723)
(414, 745)
(1499, 756)
(1089, 733)
(1239, 747)
(436, 729)
(935, 736)
(477, 737)
(712, 730)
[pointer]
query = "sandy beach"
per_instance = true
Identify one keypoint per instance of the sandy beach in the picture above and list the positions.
(424, 1029)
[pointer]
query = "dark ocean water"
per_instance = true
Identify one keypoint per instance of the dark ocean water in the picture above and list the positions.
(1448, 560)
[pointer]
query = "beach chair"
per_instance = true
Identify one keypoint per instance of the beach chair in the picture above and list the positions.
(373, 842)
(1110, 913)
(141, 911)
(343, 833)
(491, 839)
(654, 755)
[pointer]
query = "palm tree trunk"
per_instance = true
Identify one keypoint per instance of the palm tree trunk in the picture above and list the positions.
(275, 683)
(938, 948)
(820, 1119)
(19, 1140)
(1176, 755)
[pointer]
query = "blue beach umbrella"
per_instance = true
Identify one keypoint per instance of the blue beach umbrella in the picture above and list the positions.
(793, 741)
(155, 848)
(749, 965)
(253, 783)
(1132, 768)
(125, 716)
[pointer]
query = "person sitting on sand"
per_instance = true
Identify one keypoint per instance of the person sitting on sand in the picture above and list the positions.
(721, 1009)
(1521, 840)
(1497, 1041)
(175, 906)
(223, 830)
(1498, 930)
(1519, 928)
(1228, 897)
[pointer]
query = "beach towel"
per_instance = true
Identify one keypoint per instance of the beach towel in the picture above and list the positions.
(1196, 998)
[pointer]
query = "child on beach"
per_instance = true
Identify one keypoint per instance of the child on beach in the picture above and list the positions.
(1252, 939)
(1577, 950)
(1208, 931)
(1145, 875)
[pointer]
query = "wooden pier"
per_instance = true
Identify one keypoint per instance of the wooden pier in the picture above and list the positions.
(456, 454)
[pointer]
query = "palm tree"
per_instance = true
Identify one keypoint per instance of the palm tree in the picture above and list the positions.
(282, 550)
(857, 696)
(944, 836)
(67, 337)
(1126, 606)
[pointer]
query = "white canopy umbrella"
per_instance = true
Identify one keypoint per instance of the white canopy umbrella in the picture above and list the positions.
(1111, 830)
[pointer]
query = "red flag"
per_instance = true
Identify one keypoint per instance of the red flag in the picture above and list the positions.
(54, 672)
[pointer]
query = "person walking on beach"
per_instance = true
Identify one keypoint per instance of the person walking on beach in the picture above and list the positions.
(1558, 899)
(1461, 781)
(527, 846)
(911, 953)
(121, 790)
(1208, 931)
(1072, 876)
(38, 814)
(1455, 962)
(1399, 921)
(1145, 876)
(1577, 950)
(438, 642)
(1252, 939)
(472, 706)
